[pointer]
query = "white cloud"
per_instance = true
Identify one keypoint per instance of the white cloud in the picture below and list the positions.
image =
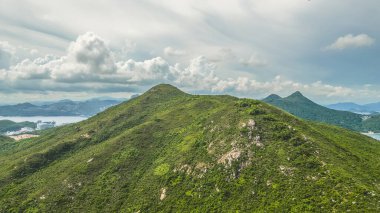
(87, 58)
(146, 72)
(170, 51)
(89, 65)
(351, 41)
(6, 54)
(199, 75)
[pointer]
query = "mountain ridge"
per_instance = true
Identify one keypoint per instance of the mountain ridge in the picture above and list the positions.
(60, 108)
(354, 107)
(171, 151)
(299, 105)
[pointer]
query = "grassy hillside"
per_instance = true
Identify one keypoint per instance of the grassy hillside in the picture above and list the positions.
(169, 151)
(6, 143)
(7, 125)
(300, 106)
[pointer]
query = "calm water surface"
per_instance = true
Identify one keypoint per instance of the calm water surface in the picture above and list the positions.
(375, 135)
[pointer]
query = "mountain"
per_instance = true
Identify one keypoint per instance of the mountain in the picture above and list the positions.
(7, 125)
(168, 151)
(300, 106)
(60, 108)
(347, 106)
(353, 107)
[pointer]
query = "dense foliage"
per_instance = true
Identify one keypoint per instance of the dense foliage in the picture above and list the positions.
(170, 151)
(372, 123)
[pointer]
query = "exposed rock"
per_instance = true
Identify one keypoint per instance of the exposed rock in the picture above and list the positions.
(183, 168)
(86, 136)
(230, 156)
(251, 126)
(310, 177)
(304, 137)
(162, 193)
(23, 136)
(217, 189)
(287, 171)
(257, 142)
(201, 168)
(251, 123)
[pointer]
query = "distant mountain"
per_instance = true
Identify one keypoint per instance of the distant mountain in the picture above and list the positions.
(300, 106)
(60, 108)
(168, 151)
(353, 107)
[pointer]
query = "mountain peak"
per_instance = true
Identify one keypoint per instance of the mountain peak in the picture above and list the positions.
(162, 91)
(297, 95)
(177, 155)
(272, 97)
(26, 104)
(165, 89)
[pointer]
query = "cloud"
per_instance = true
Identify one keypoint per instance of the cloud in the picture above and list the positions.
(254, 61)
(87, 58)
(170, 51)
(351, 41)
(145, 72)
(6, 54)
(199, 75)
(89, 65)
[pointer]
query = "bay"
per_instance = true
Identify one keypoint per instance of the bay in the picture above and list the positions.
(373, 135)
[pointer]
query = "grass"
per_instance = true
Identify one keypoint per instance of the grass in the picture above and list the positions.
(167, 139)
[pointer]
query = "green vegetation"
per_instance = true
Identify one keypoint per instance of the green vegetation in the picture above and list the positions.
(7, 125)
(168, 151)
(372, 123)
(300, 106)
(6, 143)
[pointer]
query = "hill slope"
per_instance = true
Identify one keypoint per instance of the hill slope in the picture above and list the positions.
(300, 106)
(6, 143)
(170, 151)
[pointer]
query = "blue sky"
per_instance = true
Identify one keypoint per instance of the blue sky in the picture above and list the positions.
(328, 50)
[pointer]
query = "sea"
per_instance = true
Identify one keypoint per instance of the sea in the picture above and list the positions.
(373, 135)
(59, 120)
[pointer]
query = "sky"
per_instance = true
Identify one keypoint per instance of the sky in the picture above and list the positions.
(328, 50)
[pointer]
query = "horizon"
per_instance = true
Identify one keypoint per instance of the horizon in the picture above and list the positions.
(245, 48)
(38, 102)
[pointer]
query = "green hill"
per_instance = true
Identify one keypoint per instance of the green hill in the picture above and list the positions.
(6, 143)
(300, 106)
(372, 123)
(7, 125)
(168, 151)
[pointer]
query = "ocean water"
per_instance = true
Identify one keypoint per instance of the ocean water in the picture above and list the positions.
(59, 120)
(374, 135)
